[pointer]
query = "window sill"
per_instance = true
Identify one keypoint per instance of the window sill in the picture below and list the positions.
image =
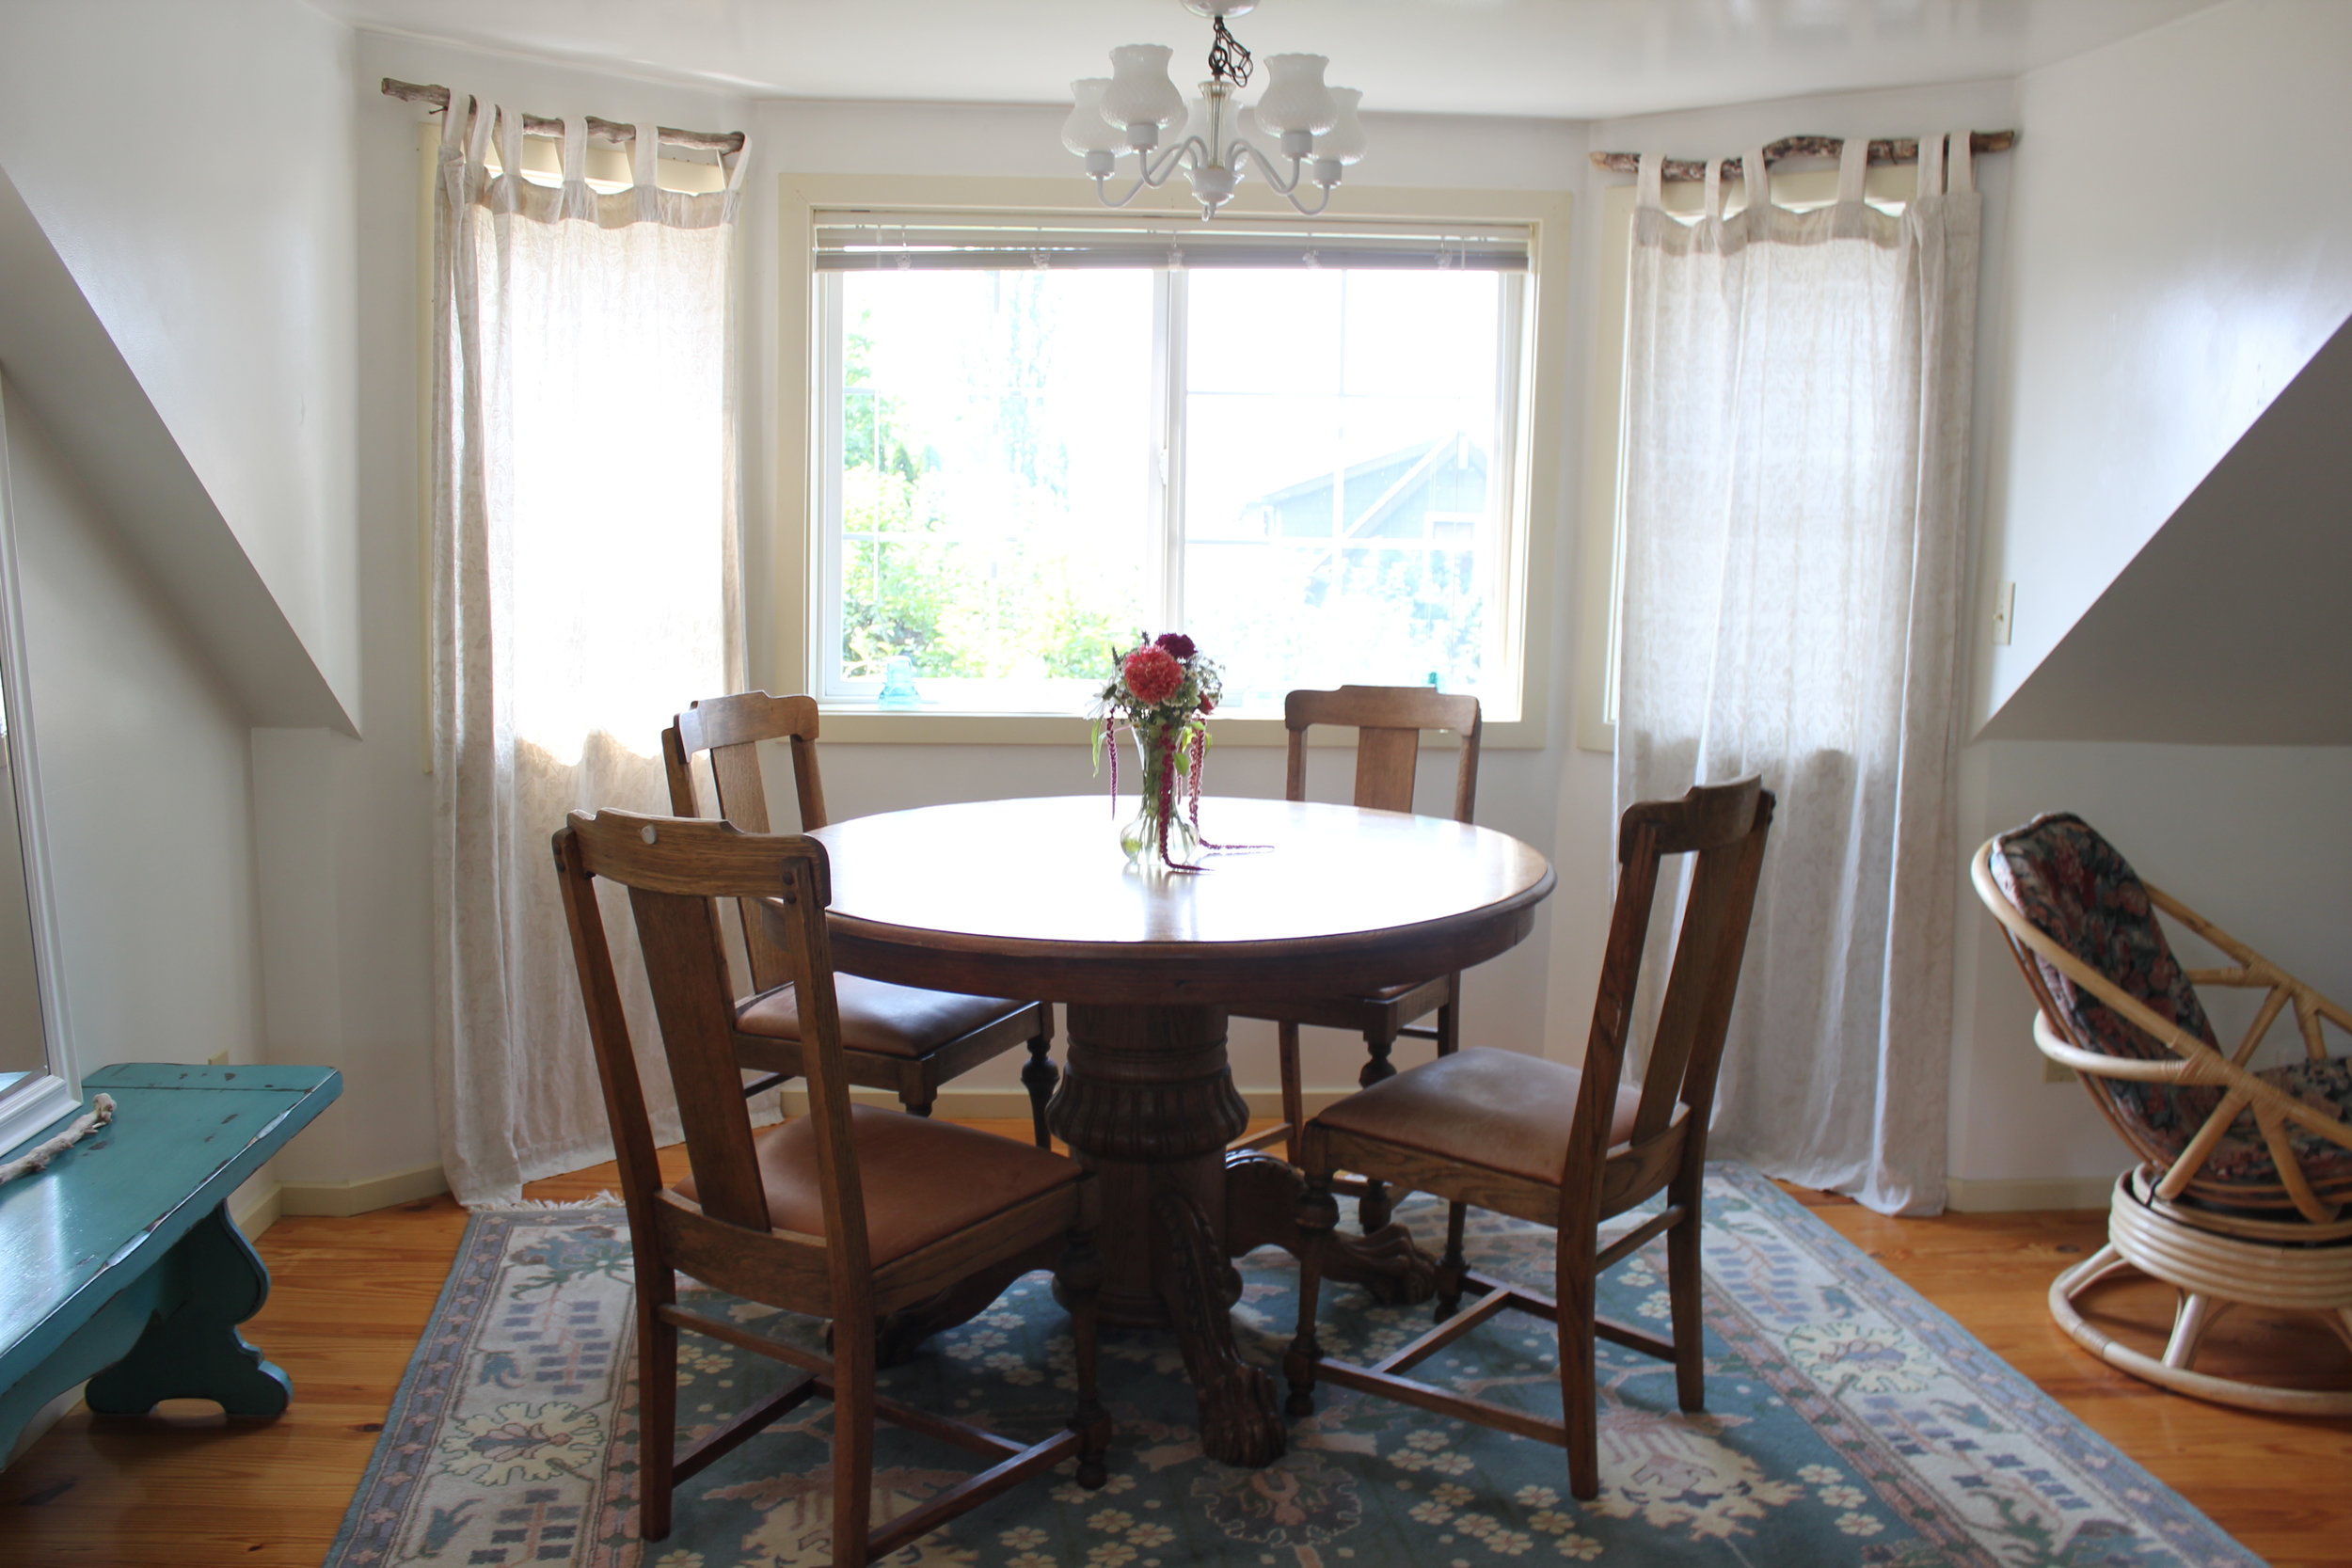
(853, 724)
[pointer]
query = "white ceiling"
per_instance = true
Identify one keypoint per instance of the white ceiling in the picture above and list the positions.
(1577, 60)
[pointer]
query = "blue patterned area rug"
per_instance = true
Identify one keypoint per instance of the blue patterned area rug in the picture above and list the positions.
(1848, 1422)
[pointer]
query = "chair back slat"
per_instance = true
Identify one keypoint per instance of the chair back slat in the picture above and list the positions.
(1385, 761)
(1389, 721)
(1613, 1021)
(686, 964)
(608, 1034)
(674, 868)
(742, 789)
(1695, 1014)
(731, 729)
(808, 943)
(1725, 826)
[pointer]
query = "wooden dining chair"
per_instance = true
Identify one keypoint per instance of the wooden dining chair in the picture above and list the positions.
(1389, 721)
(896, 1038)
(1561, 1146)
(846, 1213)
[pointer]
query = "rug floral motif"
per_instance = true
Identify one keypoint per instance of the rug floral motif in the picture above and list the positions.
(1848, 1422)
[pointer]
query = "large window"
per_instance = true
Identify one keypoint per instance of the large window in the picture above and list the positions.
(1033, 442)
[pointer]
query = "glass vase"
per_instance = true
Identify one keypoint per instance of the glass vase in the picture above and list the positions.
(1161, 833)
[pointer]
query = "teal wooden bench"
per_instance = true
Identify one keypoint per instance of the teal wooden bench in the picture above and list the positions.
(120, 1263)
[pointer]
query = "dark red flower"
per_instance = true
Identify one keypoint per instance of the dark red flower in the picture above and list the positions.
(1153, 674)
(1177, 643)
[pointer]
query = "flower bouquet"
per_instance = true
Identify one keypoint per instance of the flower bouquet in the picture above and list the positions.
(1161, 691)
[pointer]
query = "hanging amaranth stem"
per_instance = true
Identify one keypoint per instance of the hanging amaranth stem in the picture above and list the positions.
(1162, 691)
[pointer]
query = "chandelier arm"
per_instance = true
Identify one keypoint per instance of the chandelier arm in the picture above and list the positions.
(1269, 171)
(1174, 160)
(1102, 191)
(1305, 211)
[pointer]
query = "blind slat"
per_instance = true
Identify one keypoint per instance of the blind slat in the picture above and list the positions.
(1191, 260)
(883, 241)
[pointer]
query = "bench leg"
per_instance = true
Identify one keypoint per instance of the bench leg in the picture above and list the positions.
(213, 1281)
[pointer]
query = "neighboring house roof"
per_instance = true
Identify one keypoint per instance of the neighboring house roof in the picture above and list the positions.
(1394, 496)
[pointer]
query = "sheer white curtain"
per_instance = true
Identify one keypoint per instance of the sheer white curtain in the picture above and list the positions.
(1796, 434)
(584, 580)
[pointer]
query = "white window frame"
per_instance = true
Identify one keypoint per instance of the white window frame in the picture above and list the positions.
(1530, 478)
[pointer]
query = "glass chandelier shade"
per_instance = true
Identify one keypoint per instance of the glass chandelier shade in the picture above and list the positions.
(1345, 142)
(1296, 99)
(1139, 110)
(1140, 93)
(1086, 131)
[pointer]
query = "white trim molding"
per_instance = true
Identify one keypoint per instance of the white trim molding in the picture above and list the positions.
(340, 1200)
(2010, 1194)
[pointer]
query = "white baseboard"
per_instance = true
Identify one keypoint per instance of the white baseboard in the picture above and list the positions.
(40, 1422)
(256, 1206)
(340, 1199)
(2008, 1195)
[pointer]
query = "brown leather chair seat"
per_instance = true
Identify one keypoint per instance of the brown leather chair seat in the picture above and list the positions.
(924, 1181)
(894, 1021)
(1499, 1109)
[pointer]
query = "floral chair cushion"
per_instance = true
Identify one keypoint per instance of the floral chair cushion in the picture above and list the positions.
(2241, 1161)
(2075, 887)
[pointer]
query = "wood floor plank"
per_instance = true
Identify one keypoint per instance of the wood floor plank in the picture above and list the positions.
(351, 1297)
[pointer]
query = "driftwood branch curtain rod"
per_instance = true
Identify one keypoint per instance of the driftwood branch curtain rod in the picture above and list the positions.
(607, 130)
(1899, 150)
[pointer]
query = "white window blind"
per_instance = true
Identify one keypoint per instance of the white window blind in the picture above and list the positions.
(874, 240)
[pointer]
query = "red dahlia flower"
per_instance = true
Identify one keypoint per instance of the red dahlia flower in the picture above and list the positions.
(1153, 674)
(1177, 643)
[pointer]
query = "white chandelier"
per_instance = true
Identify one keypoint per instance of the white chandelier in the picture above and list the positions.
(1134, 107)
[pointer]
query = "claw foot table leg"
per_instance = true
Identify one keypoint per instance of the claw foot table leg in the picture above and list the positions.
(1147, 1103)
(1239, 1422)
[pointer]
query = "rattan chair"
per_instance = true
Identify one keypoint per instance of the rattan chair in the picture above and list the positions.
(846, 1213)
(2243, 1174)
(1561, 1146)
(896, 1038)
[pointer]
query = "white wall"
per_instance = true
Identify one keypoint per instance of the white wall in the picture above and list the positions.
(192, 166)
(144, 783)
(2170, 272)
(2177, 263)
(2252, 836)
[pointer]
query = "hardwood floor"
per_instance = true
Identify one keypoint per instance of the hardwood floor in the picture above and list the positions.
(351, 1295)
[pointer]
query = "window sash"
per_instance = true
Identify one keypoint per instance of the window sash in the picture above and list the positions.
(1504, 655)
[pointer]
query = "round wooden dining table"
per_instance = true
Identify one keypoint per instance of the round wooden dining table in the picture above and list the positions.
(1034, 899)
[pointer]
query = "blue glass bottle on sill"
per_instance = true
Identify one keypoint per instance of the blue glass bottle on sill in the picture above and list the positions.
(897, 689)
